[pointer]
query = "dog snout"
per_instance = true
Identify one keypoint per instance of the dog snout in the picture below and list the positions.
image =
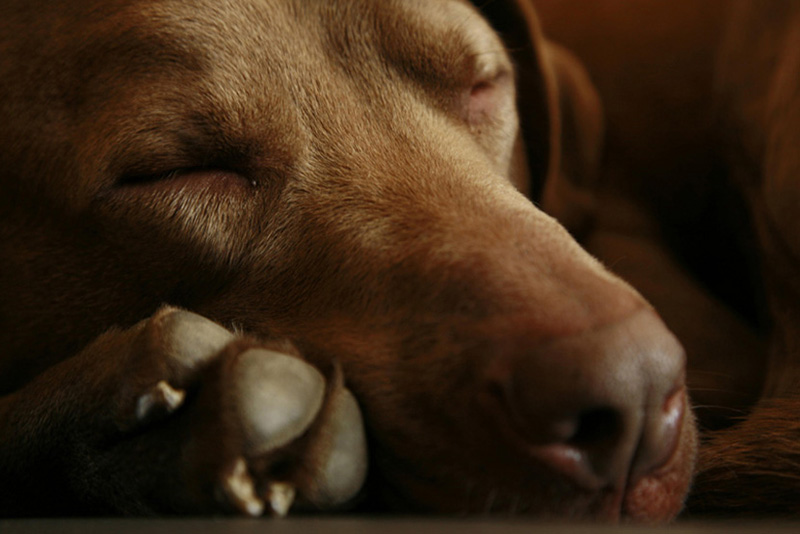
(602, 408)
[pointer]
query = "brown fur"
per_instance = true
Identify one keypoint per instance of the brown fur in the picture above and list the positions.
(697, 207)
(336, 174)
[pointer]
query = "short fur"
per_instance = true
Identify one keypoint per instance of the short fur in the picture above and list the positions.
(337, 178)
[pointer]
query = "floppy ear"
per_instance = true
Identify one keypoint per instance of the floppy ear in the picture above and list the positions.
(561, 117)
(516, 23)
(569, 193)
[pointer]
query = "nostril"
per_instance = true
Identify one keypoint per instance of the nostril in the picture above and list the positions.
(597, 408)
(581, 445)
(597, 427)
(584, 447)
(587, 429)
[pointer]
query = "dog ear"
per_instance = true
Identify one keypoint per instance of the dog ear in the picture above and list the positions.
(569, 192)
(516, 23)
(561, 117)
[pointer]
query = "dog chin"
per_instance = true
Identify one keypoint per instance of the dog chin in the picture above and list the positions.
(653, 500)
(444, 488)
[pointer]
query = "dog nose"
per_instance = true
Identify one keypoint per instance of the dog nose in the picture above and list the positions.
(601, 408)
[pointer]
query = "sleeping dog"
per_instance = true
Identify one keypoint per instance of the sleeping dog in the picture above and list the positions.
(257, 252)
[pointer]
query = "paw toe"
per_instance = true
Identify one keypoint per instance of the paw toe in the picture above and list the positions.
(341, 455)
(188, 340)
(278, 398)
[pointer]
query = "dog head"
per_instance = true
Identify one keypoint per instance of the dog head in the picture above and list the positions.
(342, 174)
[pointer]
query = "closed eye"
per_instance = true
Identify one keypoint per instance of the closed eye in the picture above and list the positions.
(487, 95)
(200, 179)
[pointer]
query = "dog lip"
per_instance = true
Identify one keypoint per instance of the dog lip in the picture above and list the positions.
(647, 500)
(657, 494)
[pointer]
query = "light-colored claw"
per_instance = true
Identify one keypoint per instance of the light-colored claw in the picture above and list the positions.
(192, 339)
(280, 497)
(162, 399)
(278, 398)
(239, 491)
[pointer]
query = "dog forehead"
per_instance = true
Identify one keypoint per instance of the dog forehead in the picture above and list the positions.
(298, 37)
(254, 41)
(312, 55)
(252, 44)
(296, 26)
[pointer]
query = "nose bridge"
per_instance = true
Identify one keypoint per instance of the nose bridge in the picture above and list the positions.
(539, 280)
(462, 235)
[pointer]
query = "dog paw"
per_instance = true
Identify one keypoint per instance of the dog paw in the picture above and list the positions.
(254, 430)
(283, 407)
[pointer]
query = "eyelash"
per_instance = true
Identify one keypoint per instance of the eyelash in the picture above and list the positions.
(195, 176)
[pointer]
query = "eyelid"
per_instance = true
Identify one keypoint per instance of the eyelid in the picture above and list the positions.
(490, 66)
(142, 178)
(492, 76)
(197, 178)
(488, 92)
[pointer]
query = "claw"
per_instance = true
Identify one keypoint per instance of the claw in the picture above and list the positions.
(239, 491)
(159, 401)
(280, 496)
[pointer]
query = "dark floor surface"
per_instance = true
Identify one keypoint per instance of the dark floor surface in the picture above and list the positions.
(364, 526)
